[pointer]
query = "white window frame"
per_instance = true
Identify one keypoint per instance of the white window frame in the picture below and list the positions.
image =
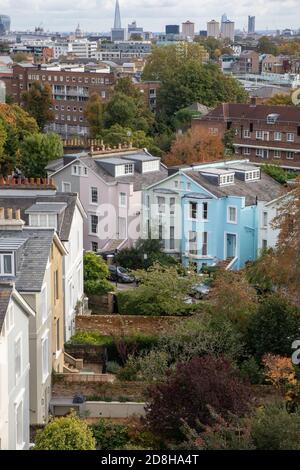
(91, 224)
(229, 221)
(18, 404)
(44, 304)
(45, 366)
(92, 189)
(290, 155)
(247, 134)
(122, 199)
(278, 136)
(12, 257)
(277, 153)
(265, 219)
(63, 186)
(290, 137)
(18, 373)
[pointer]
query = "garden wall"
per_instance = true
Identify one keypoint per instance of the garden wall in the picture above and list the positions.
(109, 325)
(99, 409)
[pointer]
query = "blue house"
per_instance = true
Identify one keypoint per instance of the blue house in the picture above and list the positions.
(208, 213)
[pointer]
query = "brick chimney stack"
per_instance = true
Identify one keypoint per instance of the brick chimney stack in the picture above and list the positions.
(10, 219)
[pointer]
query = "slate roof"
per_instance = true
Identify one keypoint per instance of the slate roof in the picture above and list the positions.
(5, 294)
(31, 257)
(233, 111)
(139, 180)
(265, 189)
(25, 202)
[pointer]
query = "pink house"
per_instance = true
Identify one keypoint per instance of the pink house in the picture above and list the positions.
(110, 186)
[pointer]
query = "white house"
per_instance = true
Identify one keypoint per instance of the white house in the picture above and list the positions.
(14, 366)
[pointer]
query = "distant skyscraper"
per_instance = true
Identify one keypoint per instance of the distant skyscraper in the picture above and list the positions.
(117, 32)
(213, 29)
(251, 24)
(172, 29)
(4, 24)
(117, 23)
(188, 29)
(228, 30)
(223, 20)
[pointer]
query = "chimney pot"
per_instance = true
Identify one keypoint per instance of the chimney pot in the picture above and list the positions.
(25, 180)
(38, 181)
(31, 180)
(2, 181)
(1, 212)
(19, 180)
(9, 213)
(44, 181)
(18, 214)
(13, 181)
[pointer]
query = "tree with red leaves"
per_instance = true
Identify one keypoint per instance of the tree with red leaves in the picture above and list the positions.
(187, 394)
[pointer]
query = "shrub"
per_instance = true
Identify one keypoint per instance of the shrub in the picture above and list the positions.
(186, 393)
(110, 436)
(251, 370)
(273, 428)
(67, 433)
(134, 258)
(96, 275)
(112, 367)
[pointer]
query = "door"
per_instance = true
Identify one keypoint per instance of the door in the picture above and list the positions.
(266, 154)
(122, 229)
(230, 245)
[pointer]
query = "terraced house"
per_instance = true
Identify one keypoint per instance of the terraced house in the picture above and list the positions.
(209, 214)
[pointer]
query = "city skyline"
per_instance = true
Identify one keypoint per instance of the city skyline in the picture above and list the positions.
(60, 15)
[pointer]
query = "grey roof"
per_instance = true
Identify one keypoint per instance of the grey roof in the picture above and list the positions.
(265, 189)
(57, 208)
(5, 294)
(32, 257)
(113, 161)
(139, 180)
(65, 218)
(55, 165)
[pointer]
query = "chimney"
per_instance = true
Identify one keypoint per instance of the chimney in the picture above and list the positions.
(10, 219)
(253, 101)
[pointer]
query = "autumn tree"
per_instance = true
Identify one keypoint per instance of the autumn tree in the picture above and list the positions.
(280, 99)
(267, 46)
(192, 387)
(38, 101)
(94, 114)
(195, 146)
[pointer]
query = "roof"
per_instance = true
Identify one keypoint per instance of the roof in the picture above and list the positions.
(6, 290)
(32, 257)
(25, 203)
(231, 111)
(56, 208)
(265, 189)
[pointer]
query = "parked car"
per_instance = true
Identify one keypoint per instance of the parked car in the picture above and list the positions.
(119, 274)
(200, 291)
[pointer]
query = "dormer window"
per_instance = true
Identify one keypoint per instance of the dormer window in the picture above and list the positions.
(226, 179)
(252, 175)
(43, 220)
(128, 169)
(79, 170)
(7, 264)
(272, 118)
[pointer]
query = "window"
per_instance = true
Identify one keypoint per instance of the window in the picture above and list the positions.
(188, 186)
(259, 135)
(259, 152)
(161, 202)
(204, 244)
(57, 335)
(94, 195)
(252, 175)
(66, 187)
(160, 235)
(290, 155)
(277, 154)
(193, 210)
(172, 205)
(45, 358)
(264, 244)
(246, 151)
(247, 133)
(176, 183)
(43, 220)
(122, 200)
(94, 246)
(231, 215)
(43, 304)
(172, 238)
(18, 358)
(56, 286)
(19, 426)
(94, 224)
(277, 136)
(78, 170)
(9, 319)
(204, 210)
(129, 168)
(290, 137)
(227, 179)
(192, 242)
(6, 264)
(265, 219)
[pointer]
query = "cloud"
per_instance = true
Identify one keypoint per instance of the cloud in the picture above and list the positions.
(97, 15)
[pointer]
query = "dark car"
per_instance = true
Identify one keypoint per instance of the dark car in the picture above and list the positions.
(119, 274)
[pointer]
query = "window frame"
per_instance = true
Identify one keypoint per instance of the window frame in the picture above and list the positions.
(229, 208)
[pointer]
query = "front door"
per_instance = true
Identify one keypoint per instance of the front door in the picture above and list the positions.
(122, 228)
(230, 245)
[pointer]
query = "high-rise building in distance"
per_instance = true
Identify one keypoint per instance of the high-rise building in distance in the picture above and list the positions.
(213, 29)
(251, 24)
(117, 32)
(228, 30)
(4, 24)
(188, 29)
(224, 18)
(172, 29)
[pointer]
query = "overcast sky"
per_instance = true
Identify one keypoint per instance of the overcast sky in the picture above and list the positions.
(97, 15)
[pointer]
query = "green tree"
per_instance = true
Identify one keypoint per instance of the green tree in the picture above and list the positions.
(143, 255)
(94, 114)
(121, 109)
(20, 57)
(67, 433)
(37, 151)
(110, 436)
(95, 275)
(267, 46)
(228, 140)
(38, 101)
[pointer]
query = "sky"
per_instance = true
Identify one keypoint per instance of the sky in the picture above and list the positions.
(152, 15)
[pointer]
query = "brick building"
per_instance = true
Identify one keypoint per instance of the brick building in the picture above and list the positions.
(71, 87)
(263, 134)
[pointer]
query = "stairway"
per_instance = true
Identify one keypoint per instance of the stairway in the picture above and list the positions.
(223, 264)
(72, 365)
(112, 245)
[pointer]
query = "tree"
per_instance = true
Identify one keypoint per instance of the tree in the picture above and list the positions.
(228, 140)
(37, 151)
(67, 433)
(136, 37)
(96, 273)
(94, 114)
(38, 101)
(280, 99)
(162, 291)
(273, 327)
(193, 386)
(110, 436)
(266, 46)
(143, 255)
(195, 146)
(20, 57)
(120, 110)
